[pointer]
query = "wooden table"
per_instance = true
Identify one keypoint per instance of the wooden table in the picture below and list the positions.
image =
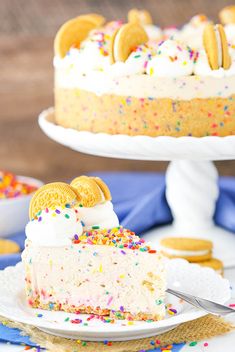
(26, 81)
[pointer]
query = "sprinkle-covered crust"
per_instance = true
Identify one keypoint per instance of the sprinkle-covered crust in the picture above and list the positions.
(113, 114)
(106, 313)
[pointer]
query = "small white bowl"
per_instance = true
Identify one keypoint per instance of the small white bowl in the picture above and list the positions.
(14, 212)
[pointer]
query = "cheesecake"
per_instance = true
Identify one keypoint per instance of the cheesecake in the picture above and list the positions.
(78, 259)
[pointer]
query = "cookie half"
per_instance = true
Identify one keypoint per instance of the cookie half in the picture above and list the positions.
(139, 16)
(191, 249)
(125, 40)
(216, 46)
(92, 190)
(8, 247)
(214, 264)
(74, 31)
(52, 195)
(227, 14)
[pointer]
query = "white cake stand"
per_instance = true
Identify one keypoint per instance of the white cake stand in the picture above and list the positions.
(191, 177)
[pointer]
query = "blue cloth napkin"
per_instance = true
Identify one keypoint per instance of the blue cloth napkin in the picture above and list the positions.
(140, 203)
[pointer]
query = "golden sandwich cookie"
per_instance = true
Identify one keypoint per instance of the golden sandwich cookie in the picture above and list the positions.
(214, 264)
(216, 47)
(191, 249)
(139, 16)
(227, 14)
(52, 195)
(125, 40)
(91, 189)
(74, 31)
(104, 188)
(8, 247)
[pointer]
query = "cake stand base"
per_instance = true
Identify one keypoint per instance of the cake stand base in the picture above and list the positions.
(224, 241)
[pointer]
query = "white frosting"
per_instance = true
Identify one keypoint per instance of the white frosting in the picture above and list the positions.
(171, 33)
(171, 60)
(230, 32)
(184, 253)
(202, 67)
(153, 31)
(52, 229)
(192, 33)
(101, 215)
(135, 64)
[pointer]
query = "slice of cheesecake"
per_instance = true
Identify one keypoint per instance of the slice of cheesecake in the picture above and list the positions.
(108, 272)
(104, 272)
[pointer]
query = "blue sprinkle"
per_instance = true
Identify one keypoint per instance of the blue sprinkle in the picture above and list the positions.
(51, 305)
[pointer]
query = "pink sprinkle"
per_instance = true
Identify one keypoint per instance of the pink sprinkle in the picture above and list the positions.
(205, 344)
(110, 300)
(232, 305)
(47, 210)
(145, 64)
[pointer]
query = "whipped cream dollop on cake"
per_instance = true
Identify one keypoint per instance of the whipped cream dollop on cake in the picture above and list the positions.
(54, 227)
(78, 259)
(101, 216)
(171, 59)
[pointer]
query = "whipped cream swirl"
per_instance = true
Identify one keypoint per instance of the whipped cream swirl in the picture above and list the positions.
(172, 59)
(54, 227)
(202, 66)
(101, 216)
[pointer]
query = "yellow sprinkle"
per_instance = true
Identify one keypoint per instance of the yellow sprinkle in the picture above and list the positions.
(78, 341)
(100, 268)
(50, 263)
(151, 71)
(185, 63)
(170, 312)
(122, 276)
(130, 323)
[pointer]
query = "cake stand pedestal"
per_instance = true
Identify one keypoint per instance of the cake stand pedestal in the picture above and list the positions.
(191, 177)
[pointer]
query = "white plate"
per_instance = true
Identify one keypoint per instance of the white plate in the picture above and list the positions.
(186, 277)
(138, 147)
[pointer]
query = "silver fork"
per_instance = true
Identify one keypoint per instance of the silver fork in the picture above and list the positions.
(201, 303)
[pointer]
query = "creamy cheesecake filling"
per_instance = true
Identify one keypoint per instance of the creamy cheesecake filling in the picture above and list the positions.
(97, 276)
(145, 86)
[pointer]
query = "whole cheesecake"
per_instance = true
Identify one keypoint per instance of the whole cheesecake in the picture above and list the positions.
(137, 79)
